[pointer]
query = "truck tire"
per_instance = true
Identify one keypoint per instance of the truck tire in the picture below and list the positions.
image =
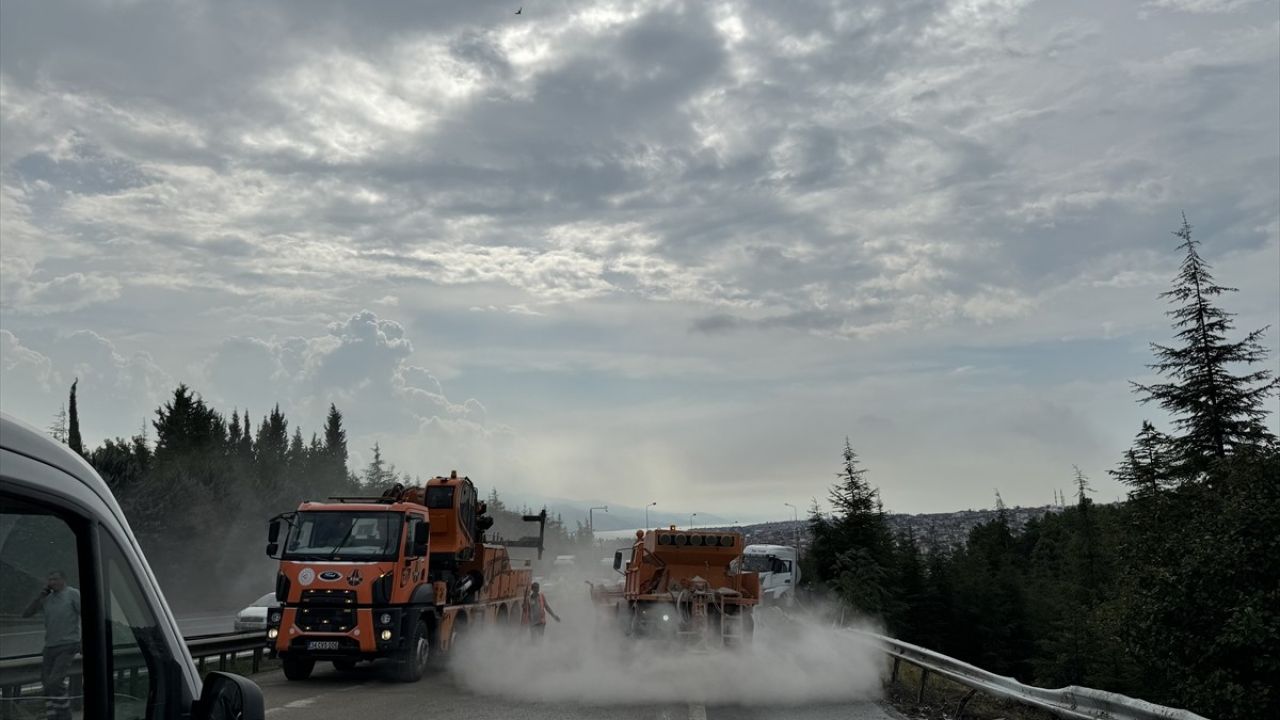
(412, 662)
(297, 668)
(344, 665)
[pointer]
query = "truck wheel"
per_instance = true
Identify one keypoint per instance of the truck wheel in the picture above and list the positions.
(412, 662)
(298, 668)
(344, 665)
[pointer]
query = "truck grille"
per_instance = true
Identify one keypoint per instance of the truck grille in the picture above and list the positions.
(327, 610)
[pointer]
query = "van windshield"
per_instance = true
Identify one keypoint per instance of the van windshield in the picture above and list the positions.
(344, 535)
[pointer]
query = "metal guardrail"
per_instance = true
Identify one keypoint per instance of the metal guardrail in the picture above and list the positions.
(1077, 703)
(23, 672)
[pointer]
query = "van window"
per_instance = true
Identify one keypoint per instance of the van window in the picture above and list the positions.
(145, 675)
(40, 629)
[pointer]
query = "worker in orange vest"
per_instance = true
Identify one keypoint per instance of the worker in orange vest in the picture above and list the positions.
(536, 611)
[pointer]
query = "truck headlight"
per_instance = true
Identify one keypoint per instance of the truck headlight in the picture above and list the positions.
(272, 634)
(665, 618)
(384, 619)
(386, 635)
(275, 618)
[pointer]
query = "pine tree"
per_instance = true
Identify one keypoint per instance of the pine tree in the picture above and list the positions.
(73, 430)
(59, 427)
(377, 474)
(335, 437)
(1214, 409)
(1145, 467)
(853, 495)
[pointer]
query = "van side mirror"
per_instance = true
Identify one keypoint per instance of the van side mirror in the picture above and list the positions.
(229, 696)
(617, 560)
(421, 536)
(273, 538)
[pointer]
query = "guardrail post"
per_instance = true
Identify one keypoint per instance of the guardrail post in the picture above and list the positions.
(893, 676)
(924, 680)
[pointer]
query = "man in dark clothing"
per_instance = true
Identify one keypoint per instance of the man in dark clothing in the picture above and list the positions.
(60, 605)
(538, 612)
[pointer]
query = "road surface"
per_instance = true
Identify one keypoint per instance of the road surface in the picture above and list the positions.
(365, 693)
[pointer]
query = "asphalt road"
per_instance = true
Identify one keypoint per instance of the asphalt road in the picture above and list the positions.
(365, 693)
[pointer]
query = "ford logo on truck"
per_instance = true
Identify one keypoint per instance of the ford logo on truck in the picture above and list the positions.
(330, 575)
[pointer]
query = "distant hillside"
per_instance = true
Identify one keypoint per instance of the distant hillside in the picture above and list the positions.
(943, 529)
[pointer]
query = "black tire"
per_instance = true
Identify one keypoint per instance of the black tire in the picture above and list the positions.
(413, 659)
(344, 665)
(298, 668)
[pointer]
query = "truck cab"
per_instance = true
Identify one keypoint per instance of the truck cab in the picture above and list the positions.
(778, 569)
(64, 539)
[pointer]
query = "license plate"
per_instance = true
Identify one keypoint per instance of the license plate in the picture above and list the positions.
(322, 644)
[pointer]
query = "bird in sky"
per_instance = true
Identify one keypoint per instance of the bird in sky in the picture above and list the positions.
(520, 10)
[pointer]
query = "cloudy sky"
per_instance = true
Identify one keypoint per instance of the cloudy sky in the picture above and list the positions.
(636, 251)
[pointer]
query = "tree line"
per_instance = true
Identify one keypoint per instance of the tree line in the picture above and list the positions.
(199, 494)
(1172, 595)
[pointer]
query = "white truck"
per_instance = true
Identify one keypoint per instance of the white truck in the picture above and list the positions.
(779, 572)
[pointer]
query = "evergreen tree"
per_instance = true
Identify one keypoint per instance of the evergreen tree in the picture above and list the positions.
(1214, 408)
(59, 427)
(73, 430)
(335, 437)
(1145, 467)
(377, 474)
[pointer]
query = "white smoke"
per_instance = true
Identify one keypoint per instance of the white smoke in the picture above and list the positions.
(794, 659)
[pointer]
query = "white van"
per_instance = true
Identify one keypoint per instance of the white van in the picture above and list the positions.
(67, 553)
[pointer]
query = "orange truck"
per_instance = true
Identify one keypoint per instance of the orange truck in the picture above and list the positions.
(683, 586)
(400, 577)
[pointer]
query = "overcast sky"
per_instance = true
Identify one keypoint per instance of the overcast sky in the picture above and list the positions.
(636, 251)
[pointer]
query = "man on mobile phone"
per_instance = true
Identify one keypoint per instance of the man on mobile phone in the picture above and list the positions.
(60, 605)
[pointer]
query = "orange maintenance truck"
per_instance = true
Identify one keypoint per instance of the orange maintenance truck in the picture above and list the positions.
(398, 576)
(685, 586)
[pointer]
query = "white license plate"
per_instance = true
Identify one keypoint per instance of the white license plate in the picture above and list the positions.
(322, 644)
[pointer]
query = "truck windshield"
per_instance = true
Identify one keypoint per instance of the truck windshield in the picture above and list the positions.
(344, 535)
(756, 563)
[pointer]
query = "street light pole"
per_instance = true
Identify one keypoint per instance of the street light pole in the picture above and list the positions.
(591, 523)
(646, 513)
(691, 517)
(795, 518)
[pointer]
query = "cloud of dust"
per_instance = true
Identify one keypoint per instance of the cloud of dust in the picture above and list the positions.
(794, 659)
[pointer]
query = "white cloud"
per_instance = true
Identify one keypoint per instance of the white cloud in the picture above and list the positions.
(723, 200)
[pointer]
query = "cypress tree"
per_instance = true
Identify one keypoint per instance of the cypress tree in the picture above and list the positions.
(73, 430)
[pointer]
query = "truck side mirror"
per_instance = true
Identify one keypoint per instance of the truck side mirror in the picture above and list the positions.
(229, 696)
(421, 536)
(617, 560)
(273, 538)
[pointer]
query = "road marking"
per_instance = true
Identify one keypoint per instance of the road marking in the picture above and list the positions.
(697, 711)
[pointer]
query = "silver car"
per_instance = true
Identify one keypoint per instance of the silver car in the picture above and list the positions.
(254, 617)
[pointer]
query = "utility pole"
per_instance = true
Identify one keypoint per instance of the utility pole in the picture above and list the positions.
(646, 513)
